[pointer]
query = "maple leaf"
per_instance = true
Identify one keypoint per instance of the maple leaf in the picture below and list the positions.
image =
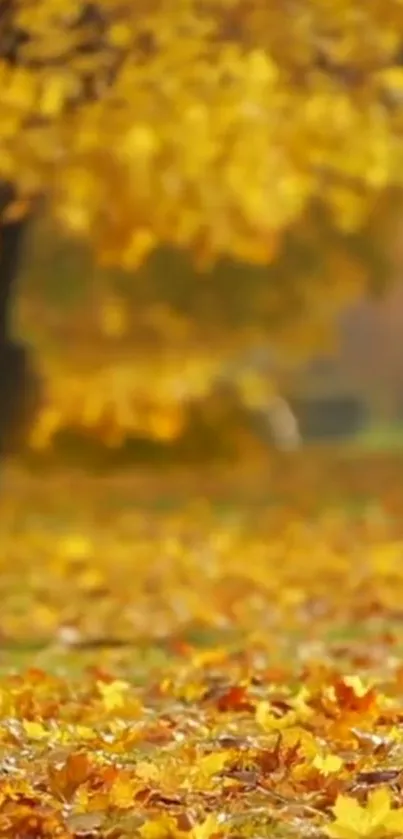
(352, 694)
(235, 698)
(213, 763)
(376, 820)
(113, 694)
(270, 721)
(64, 780)
(123, 791)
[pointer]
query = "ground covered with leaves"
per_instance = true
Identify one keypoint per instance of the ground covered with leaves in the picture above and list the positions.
(206, 656)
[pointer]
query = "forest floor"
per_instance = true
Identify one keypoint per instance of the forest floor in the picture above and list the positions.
(204, 653)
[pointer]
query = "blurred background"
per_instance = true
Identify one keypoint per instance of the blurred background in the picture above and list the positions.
(177, 361)
(241, 164)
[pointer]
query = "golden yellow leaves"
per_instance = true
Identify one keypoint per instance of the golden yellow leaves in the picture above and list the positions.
(327, 765)
(391, 81)
(270, 721)
(260, 70)
(241, 718)
(140, 141)
(76, 547)
(166, 828)
(123, 792)
(209, 766)
(377, 819)
(82, 190)
(19, 88)
(120, 405)
(35, 730)
(58, 90)
(216, 128)
(113, 694)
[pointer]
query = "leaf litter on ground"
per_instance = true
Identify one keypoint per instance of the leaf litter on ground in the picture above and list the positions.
(199, 672)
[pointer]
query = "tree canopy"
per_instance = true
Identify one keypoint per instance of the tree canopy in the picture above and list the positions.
(205, 124)
(243, 133)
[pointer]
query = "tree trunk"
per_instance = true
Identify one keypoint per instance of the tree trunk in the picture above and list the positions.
(18, 384)
(11, 242)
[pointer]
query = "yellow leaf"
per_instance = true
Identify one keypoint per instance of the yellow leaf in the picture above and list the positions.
(162, 828)
(261, 69)
(76, 546)
(376, 820)
(34, 730)
(297, 735)
(357, 685)
(299, 704)
(213, 763)
(123, 792)
(328, 764)
(208, 828)
(266, 718)
(21, 89)
(91, 579)
(392, 79)
(85, 733)
(119, 35)
(56, 91)
(147, 771)
(113, 694)
(140, 140)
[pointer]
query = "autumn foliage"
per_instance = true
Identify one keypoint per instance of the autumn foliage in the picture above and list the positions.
(264, 134)
(188, 674)
(216, 656)
(210, 125)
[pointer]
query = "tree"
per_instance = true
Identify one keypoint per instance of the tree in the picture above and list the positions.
(215, 123)
(213, 126)
(19, 384)
(135, 353)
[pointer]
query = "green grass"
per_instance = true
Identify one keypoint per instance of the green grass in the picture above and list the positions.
(379, 438)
